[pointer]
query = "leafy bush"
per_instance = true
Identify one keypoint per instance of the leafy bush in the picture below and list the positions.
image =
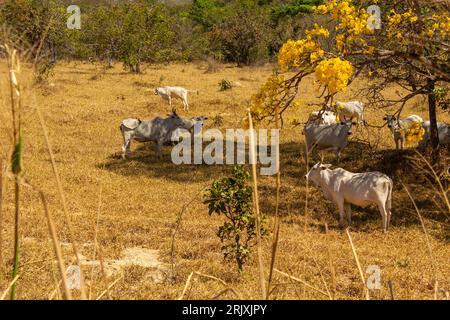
(232, 197)
(242, 39)
(224, 85)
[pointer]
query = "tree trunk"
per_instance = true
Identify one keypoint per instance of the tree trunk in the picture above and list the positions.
(53, 53)
(434, 135)
(110, 62)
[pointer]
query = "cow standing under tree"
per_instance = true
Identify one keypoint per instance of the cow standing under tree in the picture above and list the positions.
(345, 188)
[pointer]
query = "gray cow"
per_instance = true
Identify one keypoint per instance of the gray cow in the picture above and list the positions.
(332, 137)
(158, 130)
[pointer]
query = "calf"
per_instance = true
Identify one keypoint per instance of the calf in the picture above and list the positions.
(169, 93)
(398, 127)
(157, 130)
(345, 188)
(328, 137)
(350, 110)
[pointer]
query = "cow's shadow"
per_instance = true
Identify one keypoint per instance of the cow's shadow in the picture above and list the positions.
(357, 157)
(143, 161)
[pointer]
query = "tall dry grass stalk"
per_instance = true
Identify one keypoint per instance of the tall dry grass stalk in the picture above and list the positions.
(277, 204)
(207, 276)
(109, 287)
(252, 146)
(56, 247)
(436, 177)
(94, 254)
(391, 289)
(427, 240)
(176, 228)
(331, 266)
(355, 255)
(16, 158)
(1, 213)
(306, 284)
(5, 293)
(312, 255)
(63, 201)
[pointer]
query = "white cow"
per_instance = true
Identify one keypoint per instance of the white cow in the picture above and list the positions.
(332, 137)
(443, 132)
(398, 127)
(350, 110)
(345, 188)
(322, 117)
(169, 93)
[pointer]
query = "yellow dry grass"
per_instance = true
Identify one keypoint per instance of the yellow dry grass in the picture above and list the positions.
(141, 197)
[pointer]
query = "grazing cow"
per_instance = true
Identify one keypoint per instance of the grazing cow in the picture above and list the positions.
(350, 110)
(189, 125)
(332, 137)
(157, 130)
(322, 117)
(398, 127)
(443, 133)
(169, 93)
(345, 188)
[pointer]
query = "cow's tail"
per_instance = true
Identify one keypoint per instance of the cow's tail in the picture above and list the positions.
(196, 91)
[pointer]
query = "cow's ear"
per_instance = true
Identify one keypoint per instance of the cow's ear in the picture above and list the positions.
(384, 118)
(354, 123)
(342, 123)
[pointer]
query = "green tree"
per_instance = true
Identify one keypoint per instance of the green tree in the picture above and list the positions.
(232, 197)
(242, 39)
(146, 34)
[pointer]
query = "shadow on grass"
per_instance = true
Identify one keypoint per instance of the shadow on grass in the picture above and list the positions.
(357, 157)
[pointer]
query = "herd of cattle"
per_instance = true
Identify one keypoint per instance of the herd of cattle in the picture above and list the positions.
(325, 130)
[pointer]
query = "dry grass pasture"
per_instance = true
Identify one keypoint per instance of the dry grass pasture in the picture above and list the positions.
(137, 200)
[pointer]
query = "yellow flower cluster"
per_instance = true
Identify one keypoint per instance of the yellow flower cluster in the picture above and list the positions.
(299, 53)
(414, 133)
(352, 23)
(262, 103)
(334, 74)
(398, 23)
(303, 52)
(317, 31)
(438, 24)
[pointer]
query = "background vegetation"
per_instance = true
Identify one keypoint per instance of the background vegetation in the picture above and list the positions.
(132, 32)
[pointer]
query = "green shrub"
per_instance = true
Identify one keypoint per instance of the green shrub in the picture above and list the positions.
(224, 85)
(232, 198)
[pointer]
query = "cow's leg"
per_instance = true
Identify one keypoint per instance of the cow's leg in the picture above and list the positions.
(170, 102)
(348, 212)
(402, 143)
(185, 103)
(396, 143)
(126, 143)
(340, 204)
(388, 207)
(338, 155)
(384, 215)
(159, 144)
